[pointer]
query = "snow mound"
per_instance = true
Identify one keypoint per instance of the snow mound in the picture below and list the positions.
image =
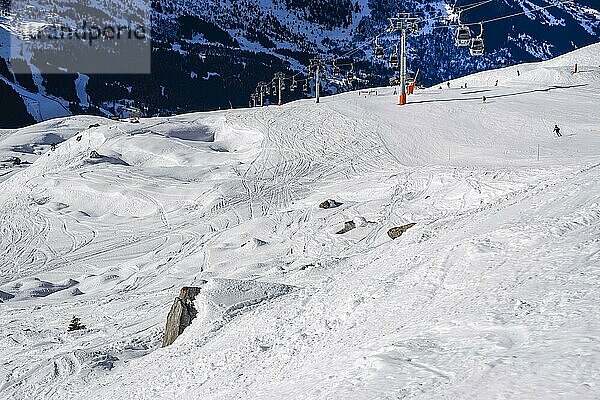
(588, 56)
(558, 71)
(221, 300)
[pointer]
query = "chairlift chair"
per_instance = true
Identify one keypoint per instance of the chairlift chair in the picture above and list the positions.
(379, 50)
(350, 75)
(463, 36)
(477, 46)
(394, 61)
(305, 86)
(335, 68)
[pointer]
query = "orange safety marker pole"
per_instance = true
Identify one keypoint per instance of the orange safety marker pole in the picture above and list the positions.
(402, 100)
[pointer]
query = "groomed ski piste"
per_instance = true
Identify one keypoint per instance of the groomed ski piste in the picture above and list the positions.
(493, 294)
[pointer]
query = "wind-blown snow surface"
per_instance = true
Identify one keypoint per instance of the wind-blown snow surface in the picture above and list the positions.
(493, 294)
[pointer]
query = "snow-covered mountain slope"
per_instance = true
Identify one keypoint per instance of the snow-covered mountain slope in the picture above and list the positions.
(492, 294)
(211, 54)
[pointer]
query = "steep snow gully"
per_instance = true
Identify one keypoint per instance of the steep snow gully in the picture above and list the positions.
(492, 294)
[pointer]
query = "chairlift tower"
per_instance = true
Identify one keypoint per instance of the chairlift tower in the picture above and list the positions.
(261, 89)
(279, 77)
(316, 64)
(403, 23)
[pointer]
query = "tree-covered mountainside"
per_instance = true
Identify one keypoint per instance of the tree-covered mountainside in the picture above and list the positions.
(211, 54)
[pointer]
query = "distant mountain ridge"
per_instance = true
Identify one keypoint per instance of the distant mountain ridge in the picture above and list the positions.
(211, 54)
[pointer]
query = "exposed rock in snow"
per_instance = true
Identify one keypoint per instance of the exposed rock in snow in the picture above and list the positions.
(181, 315)
(397, 231)
(348, 226)
(329, 203)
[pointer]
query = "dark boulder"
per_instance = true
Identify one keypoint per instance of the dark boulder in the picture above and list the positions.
(397, 231)
(329, 203)
(348, 226)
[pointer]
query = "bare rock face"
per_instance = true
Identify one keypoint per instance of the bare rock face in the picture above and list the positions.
(181, 315)
(397, 231)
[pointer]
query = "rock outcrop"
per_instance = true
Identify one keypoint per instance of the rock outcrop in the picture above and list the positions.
(348, 226)
(397, 231)
(181, 315)
(5, 296)
(329, 203)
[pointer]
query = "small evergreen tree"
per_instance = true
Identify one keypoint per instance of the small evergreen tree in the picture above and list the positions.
(76, 324)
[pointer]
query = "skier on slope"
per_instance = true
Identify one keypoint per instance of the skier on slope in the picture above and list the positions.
(557, 131)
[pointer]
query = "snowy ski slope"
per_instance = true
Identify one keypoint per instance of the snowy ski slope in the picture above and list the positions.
(493, 294)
